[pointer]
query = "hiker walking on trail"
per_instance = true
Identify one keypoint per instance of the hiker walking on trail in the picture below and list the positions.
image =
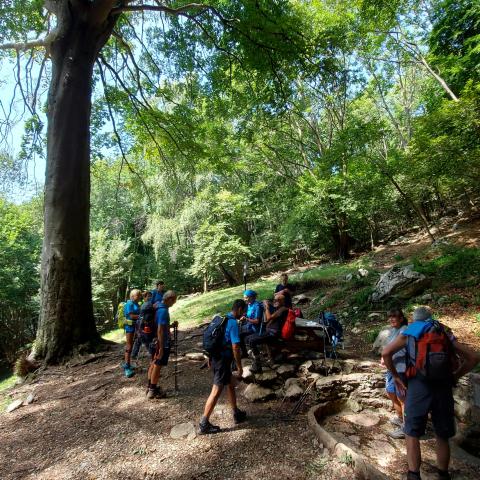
(399, 323)
(145, 326)
(435, 361)
(160, 347)
(274, 318)
(221, 365)
(131, 311)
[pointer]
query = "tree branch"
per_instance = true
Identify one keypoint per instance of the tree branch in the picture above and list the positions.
(160, 8)
(20, 46)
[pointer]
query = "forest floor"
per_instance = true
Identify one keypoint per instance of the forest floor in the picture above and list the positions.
(87, 421)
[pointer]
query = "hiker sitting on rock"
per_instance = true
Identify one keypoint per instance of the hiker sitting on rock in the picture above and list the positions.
(399, 323)
(286, 289)
(145, 326)
(130, 311)
(274, 317)
(160, 347)
(221, 365)
(432, 372)
(252, 321)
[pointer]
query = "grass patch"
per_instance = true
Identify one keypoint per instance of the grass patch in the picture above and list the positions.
(372, 334)
(457, 267)
(117, 335)
(195, 310)
(7, 382)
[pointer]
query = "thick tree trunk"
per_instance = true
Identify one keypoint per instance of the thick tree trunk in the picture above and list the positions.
(66, 315)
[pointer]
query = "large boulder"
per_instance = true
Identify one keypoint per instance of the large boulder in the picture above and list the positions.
(267, 377)
(257, 393)
(400, 281)
(293, 389)
(286, 370)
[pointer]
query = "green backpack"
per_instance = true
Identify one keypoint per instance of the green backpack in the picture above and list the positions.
(120, 316)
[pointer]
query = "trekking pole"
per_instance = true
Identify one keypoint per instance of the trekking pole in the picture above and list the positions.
(297, 406)
(175, 352)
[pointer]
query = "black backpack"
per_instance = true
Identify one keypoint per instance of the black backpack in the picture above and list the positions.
(214, 335)
(147, 319)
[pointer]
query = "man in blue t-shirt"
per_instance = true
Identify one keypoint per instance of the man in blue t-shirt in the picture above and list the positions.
(424, 396)
(222, 371)
(160, 348)
(252, 321)
(157, 294)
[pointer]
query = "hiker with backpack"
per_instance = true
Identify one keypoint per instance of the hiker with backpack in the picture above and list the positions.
(275, 318)
(160, 347)
(221, 342)
(157, 294)
(145, 326)
(252, 321)
(398, 323)
(131, 311)
(435, 361)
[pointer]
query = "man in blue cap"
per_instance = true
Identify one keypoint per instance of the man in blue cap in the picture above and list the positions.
(252, 321)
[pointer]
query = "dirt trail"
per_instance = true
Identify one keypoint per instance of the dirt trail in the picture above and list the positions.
(90, 422)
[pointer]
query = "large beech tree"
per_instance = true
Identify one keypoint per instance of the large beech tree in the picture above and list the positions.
(70, 34)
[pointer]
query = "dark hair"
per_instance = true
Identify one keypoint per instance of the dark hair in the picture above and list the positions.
(397, 312)
(146, 293)
(239, 304)
(160, 283)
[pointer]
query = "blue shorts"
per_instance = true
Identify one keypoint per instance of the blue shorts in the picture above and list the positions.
(390, 385)
(426, 397)
(129, 328)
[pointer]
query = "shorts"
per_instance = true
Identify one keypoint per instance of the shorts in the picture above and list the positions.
(160, 362)
(424, 398)
(391, 387)
(222, 370)
(129, 328)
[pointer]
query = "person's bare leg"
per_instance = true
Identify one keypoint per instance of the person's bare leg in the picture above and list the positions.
(414, 456)
(155, 373)
(128, 347)
(212, 400)
(442, 449)
(232, 396)
(150, 370)
(397, 406)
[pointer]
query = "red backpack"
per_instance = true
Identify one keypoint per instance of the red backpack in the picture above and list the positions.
(288, 328)
(431, 356)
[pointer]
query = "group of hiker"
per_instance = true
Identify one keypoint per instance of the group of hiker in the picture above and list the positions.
(424, 362)
(423, 359)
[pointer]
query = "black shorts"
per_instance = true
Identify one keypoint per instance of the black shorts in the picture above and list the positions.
(423, 398)
(159, 361)
(222, 371)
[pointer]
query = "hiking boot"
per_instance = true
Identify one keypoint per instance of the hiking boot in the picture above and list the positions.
(443, 475)
(239, 416)
(207, 428)
(129, 371)
(396, 422)
(397, 434)
(413, 476)
(155, 393)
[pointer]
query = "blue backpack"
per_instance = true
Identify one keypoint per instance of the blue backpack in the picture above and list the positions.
(214, 335)
(329, 320)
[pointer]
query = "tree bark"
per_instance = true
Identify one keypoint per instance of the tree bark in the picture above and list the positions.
(66, 313)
